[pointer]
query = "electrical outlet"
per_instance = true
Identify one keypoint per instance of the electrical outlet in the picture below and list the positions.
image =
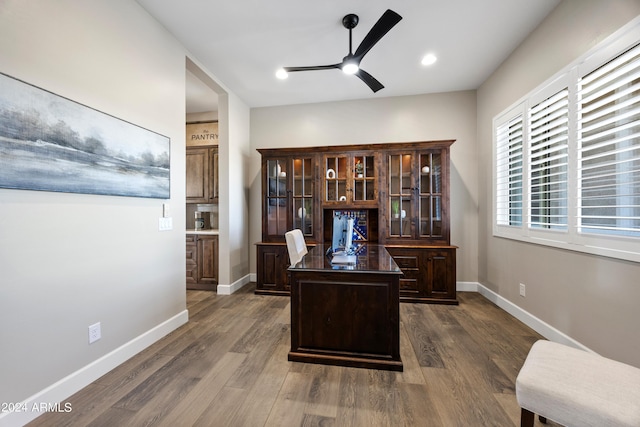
(94, 333)
(522, 290)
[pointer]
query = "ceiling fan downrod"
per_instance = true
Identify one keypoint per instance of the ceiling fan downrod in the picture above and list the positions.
(350, 21)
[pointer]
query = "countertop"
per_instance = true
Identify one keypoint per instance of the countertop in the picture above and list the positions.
(208, 232)
(370, 258)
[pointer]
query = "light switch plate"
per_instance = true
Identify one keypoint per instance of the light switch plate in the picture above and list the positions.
(165, 224)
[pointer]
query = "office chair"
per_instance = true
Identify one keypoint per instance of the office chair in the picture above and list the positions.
(295, 245)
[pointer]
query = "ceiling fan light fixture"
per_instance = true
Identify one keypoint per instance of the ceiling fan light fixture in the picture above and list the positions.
(350, 68)
(351, 63)
(282, 74)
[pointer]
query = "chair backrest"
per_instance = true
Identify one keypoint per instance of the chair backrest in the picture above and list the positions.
(295, 245)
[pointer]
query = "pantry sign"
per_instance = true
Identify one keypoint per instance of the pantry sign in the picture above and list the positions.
(202, 133)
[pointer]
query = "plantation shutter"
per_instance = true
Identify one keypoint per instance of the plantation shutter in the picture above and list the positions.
(509, 162)
(548, 159)
(609, 147)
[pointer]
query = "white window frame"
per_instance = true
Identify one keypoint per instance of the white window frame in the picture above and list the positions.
(620, 247)
(508, 230)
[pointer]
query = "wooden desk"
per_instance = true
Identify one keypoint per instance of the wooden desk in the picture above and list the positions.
(346, 315)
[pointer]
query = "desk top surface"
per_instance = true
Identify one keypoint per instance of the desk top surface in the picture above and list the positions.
(370, 258)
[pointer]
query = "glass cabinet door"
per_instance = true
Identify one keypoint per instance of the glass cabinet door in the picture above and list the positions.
(401, 192)
(336, 169)
(431, 195)
(276, 197)
(364, 179)
(302, 186)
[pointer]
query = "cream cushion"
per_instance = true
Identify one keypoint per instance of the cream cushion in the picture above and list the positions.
(576, 388)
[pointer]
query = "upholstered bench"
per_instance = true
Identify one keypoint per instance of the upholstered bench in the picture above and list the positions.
(576, 388)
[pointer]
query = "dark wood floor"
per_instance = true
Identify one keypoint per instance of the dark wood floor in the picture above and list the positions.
(228, 367)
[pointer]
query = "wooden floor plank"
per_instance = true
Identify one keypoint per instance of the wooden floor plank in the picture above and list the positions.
(411, 374)
(197, 403)
(288, 409)
(266, 387)
(221, 410)
(323, 391)
(228, 366)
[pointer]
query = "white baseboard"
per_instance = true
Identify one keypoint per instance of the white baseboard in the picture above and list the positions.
(467, 286)
(233, 287)
(76, 381)
(541, 327)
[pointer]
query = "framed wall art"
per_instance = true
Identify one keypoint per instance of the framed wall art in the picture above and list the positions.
(51, 143)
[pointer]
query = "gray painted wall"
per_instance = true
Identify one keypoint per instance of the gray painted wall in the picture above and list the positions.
(592, 299)
(395, 119)
(70, 260)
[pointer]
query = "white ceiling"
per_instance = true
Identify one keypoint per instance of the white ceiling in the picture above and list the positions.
(244, 42)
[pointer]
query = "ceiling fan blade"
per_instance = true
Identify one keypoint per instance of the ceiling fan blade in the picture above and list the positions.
(311, 68)
(369, 80)
(386, 22)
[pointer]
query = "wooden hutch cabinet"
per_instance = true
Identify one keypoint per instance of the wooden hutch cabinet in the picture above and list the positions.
(350, 179)
(289, 182)
(403, 188)
(415, 220)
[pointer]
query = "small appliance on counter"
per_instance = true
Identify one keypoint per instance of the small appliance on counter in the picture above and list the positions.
(202, 221)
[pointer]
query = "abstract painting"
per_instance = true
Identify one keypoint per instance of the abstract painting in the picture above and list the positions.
(51, 143)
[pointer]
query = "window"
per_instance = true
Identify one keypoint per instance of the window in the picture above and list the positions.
(567, 156)
(510, 172)
(548, 158)
(609, 148)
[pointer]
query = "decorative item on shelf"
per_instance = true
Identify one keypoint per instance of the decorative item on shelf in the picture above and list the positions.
(331, 174)
(395, 208)
(283, 174)
(302, 212)
(343, 198)
(403, 214)
(425, 169)
(359, 169)
(278, 170)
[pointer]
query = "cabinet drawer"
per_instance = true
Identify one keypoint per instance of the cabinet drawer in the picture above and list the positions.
(407, 263)
(192, 254)
(191, 251)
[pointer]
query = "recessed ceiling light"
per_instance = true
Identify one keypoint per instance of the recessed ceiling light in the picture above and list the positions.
(282, 74)
(429, 59)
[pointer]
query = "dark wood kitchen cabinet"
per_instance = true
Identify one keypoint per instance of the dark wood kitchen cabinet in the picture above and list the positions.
(202, 175)
(202, 261)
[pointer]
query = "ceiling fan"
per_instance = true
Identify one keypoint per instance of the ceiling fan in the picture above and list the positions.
(351, 63)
